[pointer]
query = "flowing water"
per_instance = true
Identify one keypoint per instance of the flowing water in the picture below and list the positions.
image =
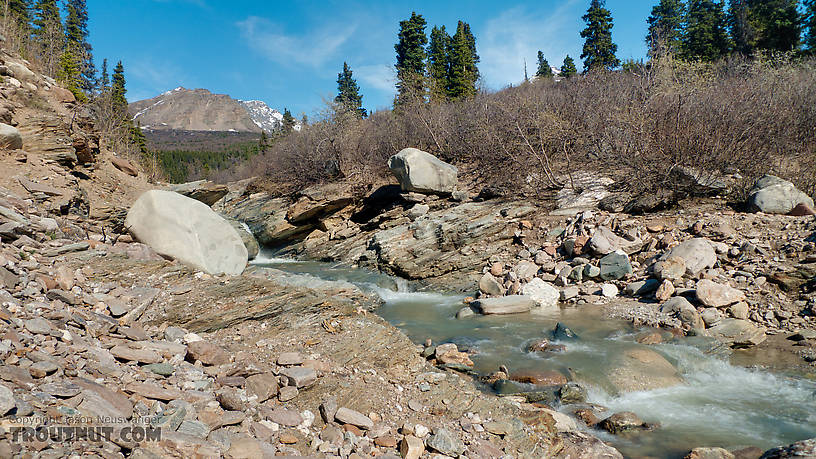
(718, 405)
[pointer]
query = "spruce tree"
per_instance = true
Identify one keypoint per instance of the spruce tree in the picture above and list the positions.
(348, 92)
(105, 81)
(544, 70)
(19, 11)
(705, 36)
(410, 50)
(68, 74)
(76, 36)
(777, 24)
(118, 90)
(48, 34)
(665, 27)
(438, 63)
(288, 122)
(463, 72)
(743, 35)
(599, 50)
(568, 69)
(810, 23)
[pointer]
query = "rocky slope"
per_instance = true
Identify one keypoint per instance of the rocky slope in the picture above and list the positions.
(193, 110)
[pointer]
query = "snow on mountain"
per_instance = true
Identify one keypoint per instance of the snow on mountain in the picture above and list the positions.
(262, 115)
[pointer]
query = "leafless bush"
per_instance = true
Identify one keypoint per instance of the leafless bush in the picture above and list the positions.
(639, 127)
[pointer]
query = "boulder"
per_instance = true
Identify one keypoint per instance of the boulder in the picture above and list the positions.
(801, 449)
(604, 242)
(615, 266)
(490, 286)
(248, 239)
(423, 172)
(63, 95)
(187, 230)
(698, 254)
(773, 195)
(512, 304)
(640, 369)
(10, 138)
(716, 295)
(684, 310)
(738, 333)
(319, 201)
(622, 422)
(672, 268)
(545, 295)
(202, 190)
(709, 453)
(21, 72)
(124, 165)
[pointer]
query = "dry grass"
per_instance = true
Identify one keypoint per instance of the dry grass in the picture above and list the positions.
(639, 127)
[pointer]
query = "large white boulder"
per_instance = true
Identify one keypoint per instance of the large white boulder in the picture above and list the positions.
(21, 72)
(10, 137)
(423, 172)
(187, 230)
(773, 195)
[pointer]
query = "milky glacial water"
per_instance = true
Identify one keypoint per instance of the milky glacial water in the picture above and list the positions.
(719, 404)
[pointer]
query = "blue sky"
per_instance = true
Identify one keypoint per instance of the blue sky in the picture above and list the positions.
(288, 54)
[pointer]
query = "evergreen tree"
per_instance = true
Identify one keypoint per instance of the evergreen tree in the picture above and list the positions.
(665, 27)
(568, 69)
(410, 50)
(743, 35)
(263, 142)
(599, 50)
(19, 11)
(463, 72)
(348, 93)
(118, 90)
(48, 34)
(138, 139)
(544, 70)
(68, 74)
(526, 78)
(438, 63)
(288, 123)
(705, 36)
(777, 24)
(105, 77)
(76, 36)
(810, 23)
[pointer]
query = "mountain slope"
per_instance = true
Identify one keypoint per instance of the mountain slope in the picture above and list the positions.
(201, 110)
(262, 115)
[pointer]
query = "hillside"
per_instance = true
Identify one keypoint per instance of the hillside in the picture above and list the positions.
(201, 110)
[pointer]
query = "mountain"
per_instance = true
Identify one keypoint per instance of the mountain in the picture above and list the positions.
(201, 110)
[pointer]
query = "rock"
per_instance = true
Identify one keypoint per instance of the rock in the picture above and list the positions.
(604, 242)
(711, 317)
(21, 72)
(665, 291)
(423, 172)
(490, 286)
(161, 369)
(202, 190)
(10, 138)
(445, 442)
(609, 290)
(63, 95)
(622, 422)
(641, 369)
(544, 346)
(38, 326)
(284, 417)
(526, 270)
(513, 304)
(564, 333)
(583, 190)
(288, 393)
(248, 239)
(698, 254)
(187, 230)
(672, 268)
(544, 294)
(579, 445)
(411, 447)
(496, 269)
(615, 266)
(805, 449)
(300, 376)
(773, 195)
(572, 393)
(642, 288)
(328, 409)
(569, 293)
(684, 310)
(418, 210)
(539, 378)
(738, 333)
(7, 402)
(349, 416)
(208, 353)
(124, 165)
(739, 310)
(715, 295)
(709, 453)
(264, 386)
(135, 355)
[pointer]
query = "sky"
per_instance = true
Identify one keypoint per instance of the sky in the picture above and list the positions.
(289, 53)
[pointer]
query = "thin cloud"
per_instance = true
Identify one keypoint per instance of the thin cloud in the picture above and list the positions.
(517, 34)
(312, 49)
(378, 76)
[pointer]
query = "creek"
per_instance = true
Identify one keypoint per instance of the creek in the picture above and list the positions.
(718, 404)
